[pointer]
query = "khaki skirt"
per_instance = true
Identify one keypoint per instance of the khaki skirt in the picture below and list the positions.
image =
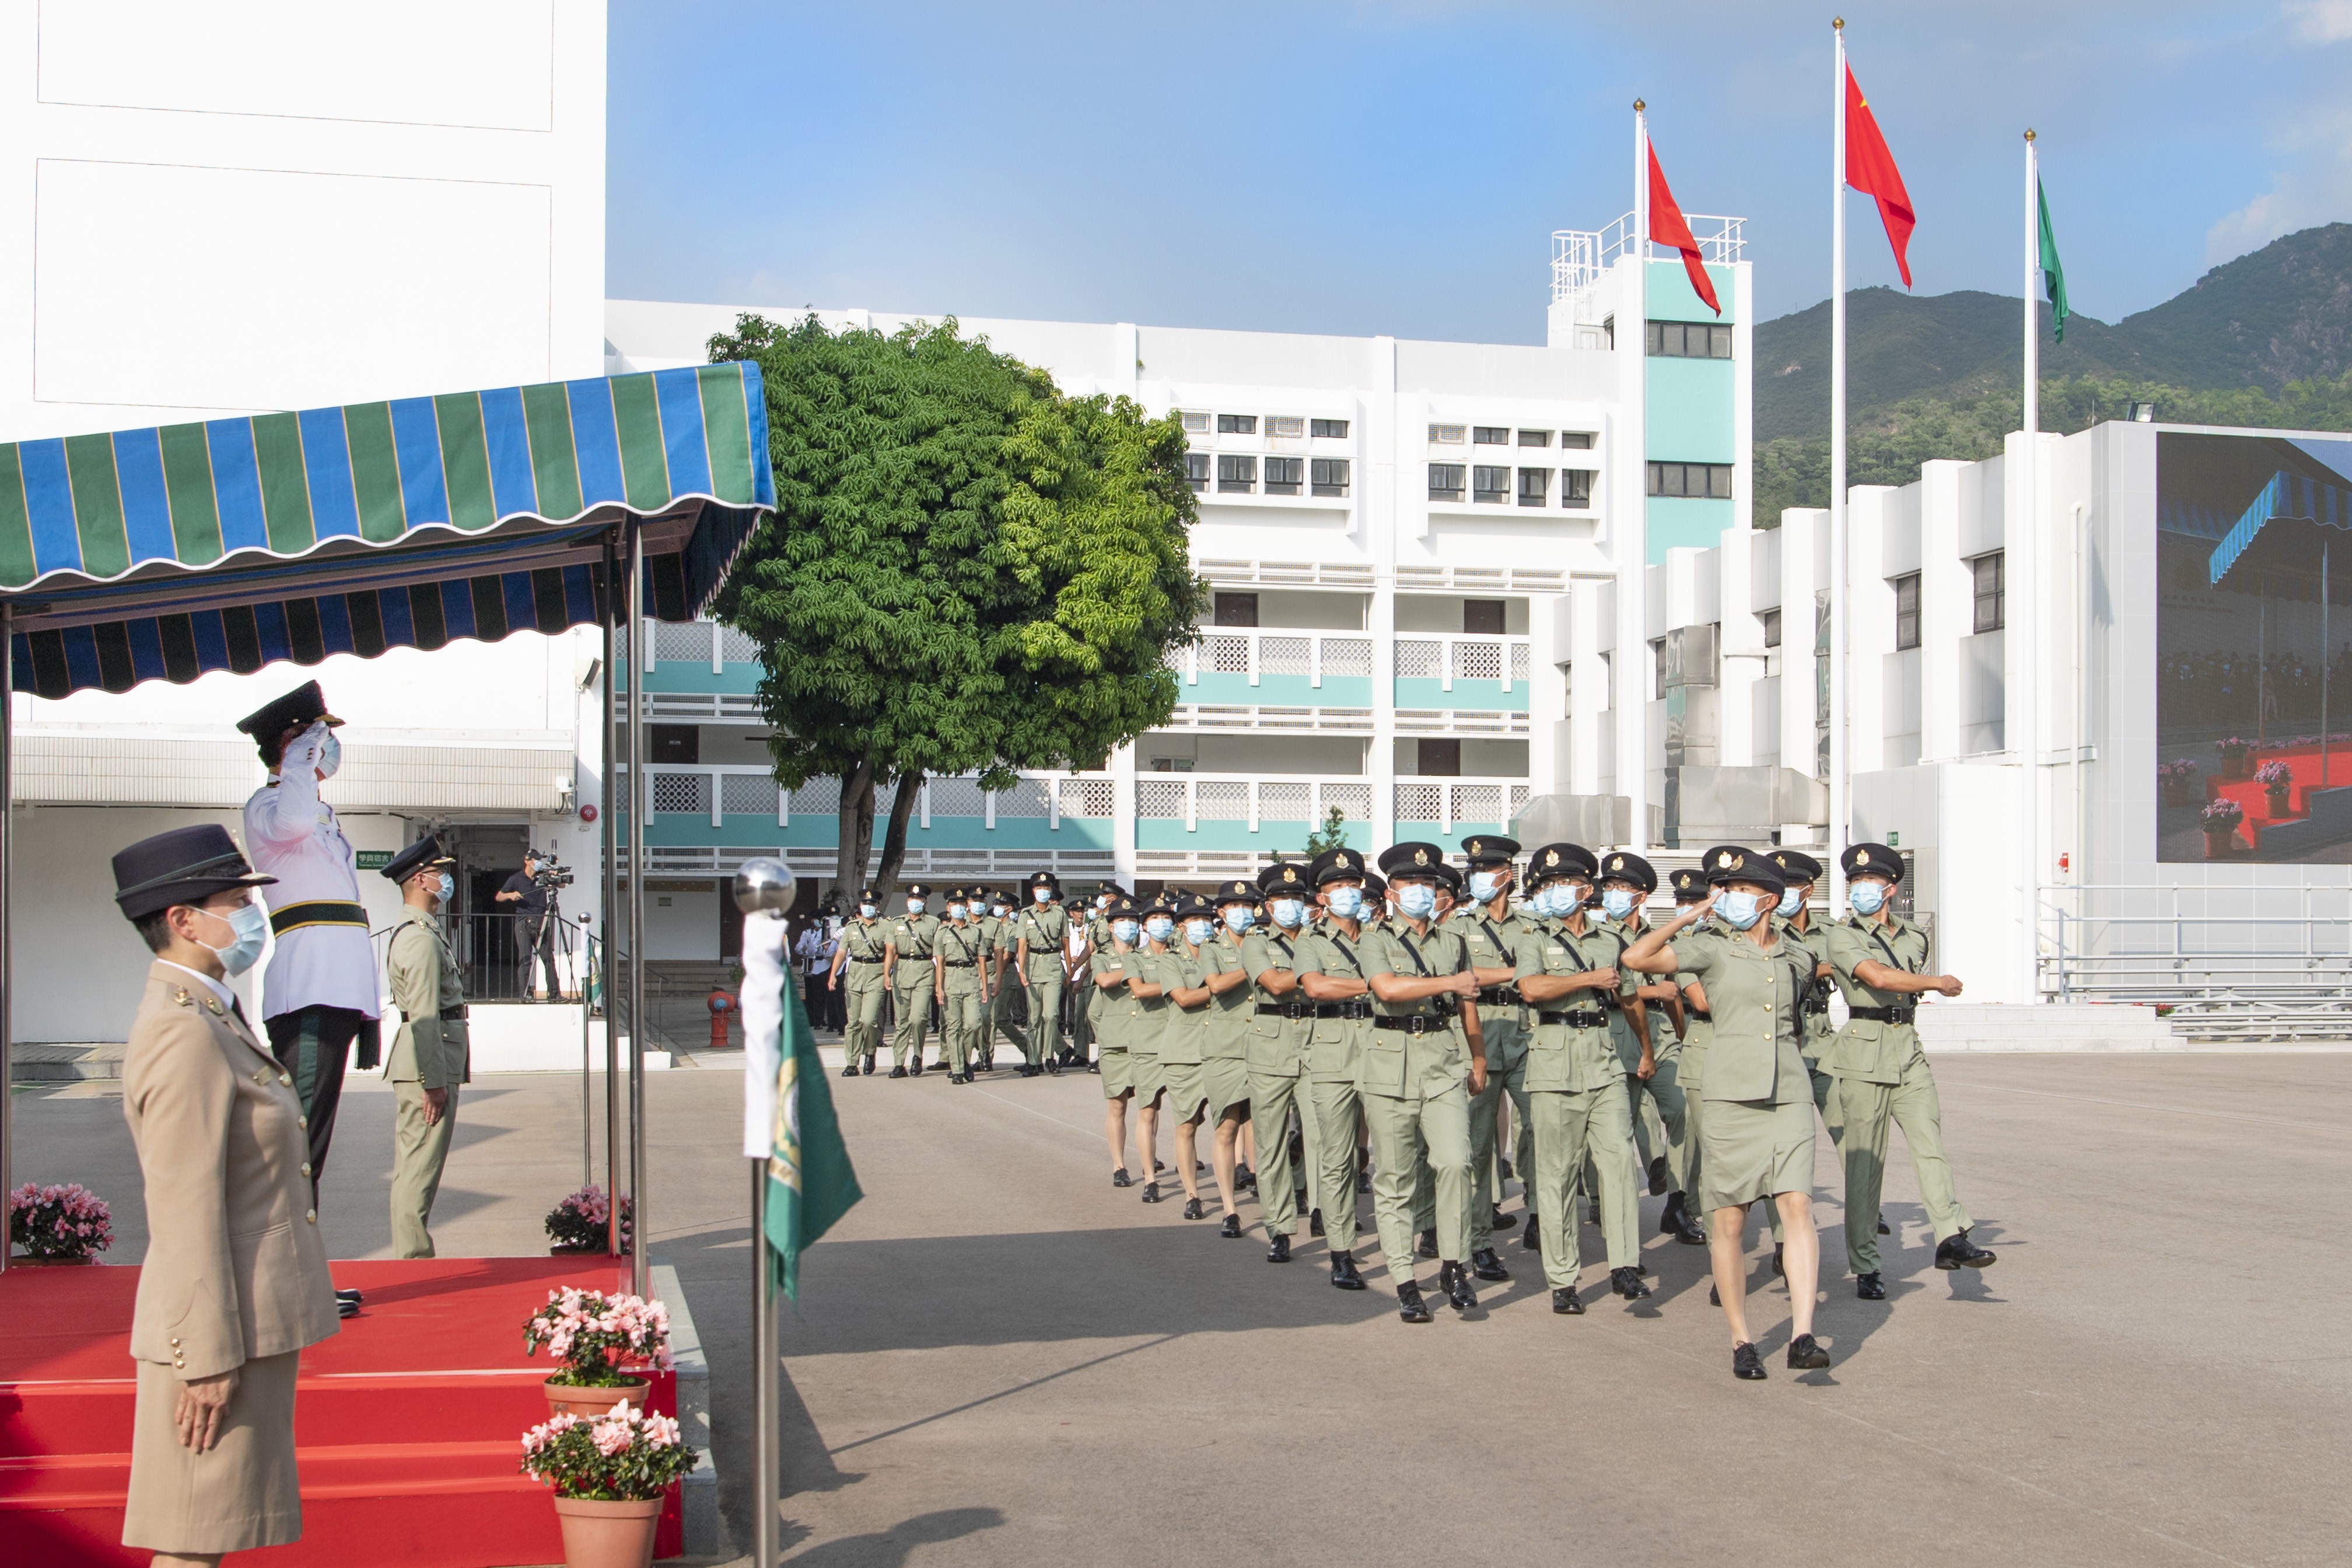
(1145, 1068)
(1751, 1149)
(1229, 1086)
(1117, 1069)
(241, 1493)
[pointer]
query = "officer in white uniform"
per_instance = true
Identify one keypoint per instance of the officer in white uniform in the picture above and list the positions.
(320, 995)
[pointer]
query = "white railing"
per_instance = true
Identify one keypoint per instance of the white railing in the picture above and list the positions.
(696, 643)
(1446, 659)
(1196, 798)
(1245, 716)
(716, 790)
(1446, 801)
(1233, 651)
(2232, 962)
(1580, 257)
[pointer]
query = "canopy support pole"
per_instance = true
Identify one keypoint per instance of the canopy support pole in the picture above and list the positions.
(639, 798)
(2322, 692)
(8, 927)
(604, 992)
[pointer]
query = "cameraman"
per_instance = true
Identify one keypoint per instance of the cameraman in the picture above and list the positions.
(526, 892)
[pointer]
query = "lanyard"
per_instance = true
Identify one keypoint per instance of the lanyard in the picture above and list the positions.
(1413, 952)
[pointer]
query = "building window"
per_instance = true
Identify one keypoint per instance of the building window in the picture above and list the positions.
(1438, 759)
(674, 744)
(1445, 482)
(1284, 426)
(1236, 424)
(1709, 481)
(1328, 476)
(1492, 486)
(1490, 434)
(1237, 609)
(1285, 475)
(1195, 423)
(1576, 487)
(1689, 340)
(1447, 435)
(1535, 487)
(1236, 474)
(1483, 617)
(1772, 622)
(1535, 438)
(1906, 612)
(1329, 429)
(1990, 611)
(1658, 670)
(1576, 440)
(1196, 470)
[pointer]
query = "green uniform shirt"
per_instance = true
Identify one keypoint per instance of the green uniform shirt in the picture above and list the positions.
(863, 941)
(1568, 1058)
(913, 936)
(1277, 1044)
(1230, 1012)
(959, 948)
(1866, 1048)
(1047, 928)
(1183, 1031)
(1335, 1052)
(1816, 1037)
(1628, 932)
(1753, 994)
(1496, 944)
(430, 1049)
(1398, 1064)
(1698, 1033)
(1117, 1026)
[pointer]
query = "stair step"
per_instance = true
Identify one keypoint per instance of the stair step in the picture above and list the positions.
(95, 1415)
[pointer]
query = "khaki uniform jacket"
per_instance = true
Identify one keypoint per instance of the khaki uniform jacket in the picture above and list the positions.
(913, 936)
(1497, 944)
(1566, 1058)
(962, 949)
(1047, 928)
(235, 1269)
(432, 1048)
(1278, 1041)
(1408, 1066)
(865, 942)
(1753, 995)
(1335, 1050)
(1866, 1048)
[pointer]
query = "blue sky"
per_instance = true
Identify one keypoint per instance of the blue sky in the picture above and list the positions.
(1399, 167)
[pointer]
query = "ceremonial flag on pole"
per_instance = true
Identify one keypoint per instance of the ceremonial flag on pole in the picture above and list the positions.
(788, 1118)
(1870, 169)
(2054, 275)
(1668, 226)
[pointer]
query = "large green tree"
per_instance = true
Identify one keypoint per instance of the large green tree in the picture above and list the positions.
(967, 571)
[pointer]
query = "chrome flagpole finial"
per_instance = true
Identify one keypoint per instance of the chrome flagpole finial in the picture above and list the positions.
(766, 883)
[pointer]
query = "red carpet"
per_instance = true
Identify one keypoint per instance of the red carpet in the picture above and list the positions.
(408, 1421)
(2303, 762)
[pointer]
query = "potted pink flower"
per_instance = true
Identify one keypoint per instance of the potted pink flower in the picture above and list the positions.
(2177, 777)
(2234, 751)
(582, 1223)
(609, 1473)
(2278, 782)
(2220, 823)
(595, 1337)
(58, 1224)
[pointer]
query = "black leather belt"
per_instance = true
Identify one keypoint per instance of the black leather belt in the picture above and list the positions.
(454, 1015)
(1343, 1009)
(1288, 1009)
(1899, 1015)
(854, 958)
(1582, 1018)
(1816, 1009)
(1420, 1023)
(1701, 1014)
(1498, 996)
(316, 912)
(951, 963)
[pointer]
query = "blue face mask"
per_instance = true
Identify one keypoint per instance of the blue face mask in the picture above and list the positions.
(248, 928)
(915, 906)
(1197, 931)
(1288, 913)
(1416, 900)
(1045, 895)
(449, 887)
(1485, 885)
(1790, 902)
(331, 755)
(1867, 898)
(955, 912)
(1742, 909)
(868, 912)
(1617, 902)
(1124, 931)
(1348, 903)
(1160, 928)
(1240, 918)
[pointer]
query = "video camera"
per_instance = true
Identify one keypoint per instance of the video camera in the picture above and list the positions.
(552, 875)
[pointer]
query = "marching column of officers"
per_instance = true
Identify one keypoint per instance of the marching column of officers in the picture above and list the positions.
(1346, 1029)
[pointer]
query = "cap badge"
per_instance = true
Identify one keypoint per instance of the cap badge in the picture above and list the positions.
(1289, 874)
(1421, 857)
(1861, 857)
(1341, 860)
(1616, 862)
(1551, 857)
(1474, 847)
(1723, 861)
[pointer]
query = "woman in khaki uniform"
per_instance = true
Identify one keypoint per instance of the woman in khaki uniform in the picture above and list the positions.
(1143, 1034)
(1110, 966)
(1179, 966)
(235, 1281)
(1758, 1122)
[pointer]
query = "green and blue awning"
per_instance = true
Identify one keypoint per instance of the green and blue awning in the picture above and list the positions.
(2276, 544)
(160, 554)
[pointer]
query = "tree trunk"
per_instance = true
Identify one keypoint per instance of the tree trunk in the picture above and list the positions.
(893, 840)
(856, 835)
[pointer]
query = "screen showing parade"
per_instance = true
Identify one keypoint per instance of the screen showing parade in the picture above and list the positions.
(2254, 644)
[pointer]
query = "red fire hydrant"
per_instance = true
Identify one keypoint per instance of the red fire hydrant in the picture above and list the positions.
(721, 1003)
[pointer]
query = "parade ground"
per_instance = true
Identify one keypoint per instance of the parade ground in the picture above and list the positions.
(1000, 1358)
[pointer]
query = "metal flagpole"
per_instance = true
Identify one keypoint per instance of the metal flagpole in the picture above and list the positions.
(7, 926)
(2020, 564)
(1839, 804)
(766, 1488)
(604, 992)
(764, 890)
(638, 797)
(1633, 740)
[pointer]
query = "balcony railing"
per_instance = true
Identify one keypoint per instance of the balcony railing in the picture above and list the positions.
(700, 643)
(1257, 653)
(1196, 798)
(1446, 659)
(1446, 802)
(719, 790)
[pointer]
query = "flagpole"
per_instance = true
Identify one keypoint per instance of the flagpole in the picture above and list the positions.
(764, 890)
(2021, 589)
(1839, 789)
(767, 1493)
(1632, 600)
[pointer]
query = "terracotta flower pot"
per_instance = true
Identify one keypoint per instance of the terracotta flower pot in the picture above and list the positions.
(574, 1249)
(2275, 801)
(19, 1261)
(2219, 844)
(590, 1403)
(598, 1534)
(2176, 793)
(2234, 765)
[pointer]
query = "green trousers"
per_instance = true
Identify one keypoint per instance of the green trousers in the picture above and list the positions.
(1662, 1097)
(960, 1024)
(1338, 1118)
(418, 1153)
(1272, 1096)
(914, 1003)
(862, 1008)
(999, 1016)
(1044, 1038)
(1485, 1116)
(1866, 1110)
(1434, 1127)
(1573, 1130)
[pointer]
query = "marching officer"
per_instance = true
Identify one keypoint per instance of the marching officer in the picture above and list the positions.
(1643, 1027)
(962, 954)
(908, 959)
(1882, 1076)
(1494, 932)
(1004, 979)
(429, 1053)
(1331, 971)
(1042, 956)
(1796, 917)
(1684, 1219)
(1282, 1024)
(863, 951)
(1108, 969)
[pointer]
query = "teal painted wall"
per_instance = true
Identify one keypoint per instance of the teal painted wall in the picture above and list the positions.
(1672, 298)
(1163, 833)
(677, 675)
(1688, 405)
(1674, 522)
(683, 829)
(1485, 695)
(1277, 690)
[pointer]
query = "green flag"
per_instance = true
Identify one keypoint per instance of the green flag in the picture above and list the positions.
(2054, 275)
(811, 1183)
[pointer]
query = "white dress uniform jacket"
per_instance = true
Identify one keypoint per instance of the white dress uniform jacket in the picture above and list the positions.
(290, 834)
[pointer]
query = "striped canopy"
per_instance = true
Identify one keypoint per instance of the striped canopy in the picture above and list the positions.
(2276, 543)
(160, 554)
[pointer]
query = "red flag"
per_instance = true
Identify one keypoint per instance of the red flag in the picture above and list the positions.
(1668, 226)
(1870, 168)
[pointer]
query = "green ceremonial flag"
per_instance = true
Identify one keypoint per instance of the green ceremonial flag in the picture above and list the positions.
(2054, 275)
(811, 1183)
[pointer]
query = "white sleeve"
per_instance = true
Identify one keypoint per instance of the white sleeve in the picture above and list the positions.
(289, 814)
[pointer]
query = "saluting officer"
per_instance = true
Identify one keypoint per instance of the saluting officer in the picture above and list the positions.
(1684, 1218)
(1282, 1024)
(1042, 958)
(962, 950)
(1882, 1072)
(1495, 934)
(1331, 971)
(429, 1053)
(907, 958)
(863, 951)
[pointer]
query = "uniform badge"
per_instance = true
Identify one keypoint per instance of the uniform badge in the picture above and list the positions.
(1421, 857)
(1290, 874)
(1551, 857)
(1617, 862)
(1861, 857)
(1723, 861)
(182, 998)
(212, 1003)
(1473, 847)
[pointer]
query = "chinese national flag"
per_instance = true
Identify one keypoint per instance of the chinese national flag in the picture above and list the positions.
(1870, 168)
(1668, 226)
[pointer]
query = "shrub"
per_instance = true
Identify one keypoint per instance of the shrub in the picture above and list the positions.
(64, 1220)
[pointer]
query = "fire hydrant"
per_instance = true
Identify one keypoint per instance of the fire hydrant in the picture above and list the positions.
(721, 1003)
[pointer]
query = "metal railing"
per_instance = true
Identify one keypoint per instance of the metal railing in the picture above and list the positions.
(1446, 803)
(2254, 963)
(1446, 659)
(1257, 653)
(492, 950)
(1580, 257)
(717, 790)
(1196, 798)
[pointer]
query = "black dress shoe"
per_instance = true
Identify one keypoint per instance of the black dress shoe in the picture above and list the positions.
(1410, 1306)
(1096, 1066)
(868, 1068)
(1747, 1364)
(1870, 1286)
(1507, 1165)
(346, 1309)
(1343, 1271)
(1120, 1178)
(1805, 1355)
(1054, 1067)
(1315, 1218)
(1564, 1301)
(1686, 1229)
(1246, 1179)
(1486, 1266)
(1426, 1246)
(1882, 1227)
(1502, 1224)
(1959, 1252)
(1627, 1282)
(1364, 1177)
(917, 1071)
(1159, 1165)
(1670, 1212)
(1193, 1209)
(851, 1070)
(1657, 1174)
(1529, 1240)
(1232, 1229)
(901, 1072)
(1279, 1252)
(1298, 1200)
(1152, 1190)
(1777, 1267)
(353, 1296)
(1455, 1280)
